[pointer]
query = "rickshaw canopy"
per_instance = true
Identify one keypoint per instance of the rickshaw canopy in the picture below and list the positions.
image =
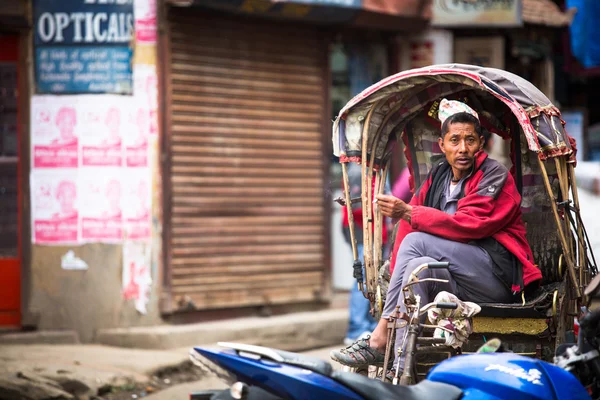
(382, 111)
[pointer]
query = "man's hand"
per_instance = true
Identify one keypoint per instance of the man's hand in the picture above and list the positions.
(393, 207)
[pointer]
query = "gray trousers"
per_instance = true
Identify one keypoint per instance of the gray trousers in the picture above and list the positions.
(469, 275)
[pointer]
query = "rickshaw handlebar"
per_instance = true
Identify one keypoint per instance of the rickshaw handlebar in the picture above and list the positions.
(438, 265)
(446, 306)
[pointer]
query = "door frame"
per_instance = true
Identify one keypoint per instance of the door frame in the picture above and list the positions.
(20, 44)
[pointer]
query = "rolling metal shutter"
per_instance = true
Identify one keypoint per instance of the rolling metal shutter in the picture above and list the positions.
(246, 115)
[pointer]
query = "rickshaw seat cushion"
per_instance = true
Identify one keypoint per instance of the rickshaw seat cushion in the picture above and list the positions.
(536, 305)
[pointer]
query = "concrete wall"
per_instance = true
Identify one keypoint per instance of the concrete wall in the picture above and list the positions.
(84, 300)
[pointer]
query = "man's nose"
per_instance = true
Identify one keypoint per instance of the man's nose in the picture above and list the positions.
(462, 146)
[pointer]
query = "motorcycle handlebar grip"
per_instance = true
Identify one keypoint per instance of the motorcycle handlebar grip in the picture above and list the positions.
(439, 264)
(447, 306)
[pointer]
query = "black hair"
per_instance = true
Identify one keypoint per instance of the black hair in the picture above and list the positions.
(486, 134)
(462, 118)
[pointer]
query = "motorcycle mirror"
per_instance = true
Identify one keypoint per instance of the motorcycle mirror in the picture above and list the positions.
(593, 288)
(492, 346)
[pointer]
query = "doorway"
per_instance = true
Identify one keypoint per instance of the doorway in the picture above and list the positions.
(10, 192)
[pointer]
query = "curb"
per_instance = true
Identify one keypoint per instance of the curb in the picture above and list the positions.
(292, 332)
(40, 337)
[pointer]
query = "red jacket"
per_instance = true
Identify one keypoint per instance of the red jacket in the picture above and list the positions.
(490, 208)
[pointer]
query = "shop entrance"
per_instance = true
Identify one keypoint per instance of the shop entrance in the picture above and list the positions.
(10, 214)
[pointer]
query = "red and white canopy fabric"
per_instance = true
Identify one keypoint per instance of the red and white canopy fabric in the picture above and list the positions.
(499, 95)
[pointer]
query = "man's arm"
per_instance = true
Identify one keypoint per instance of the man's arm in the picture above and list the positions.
(477, 217)
(480, 214)
(483, 212)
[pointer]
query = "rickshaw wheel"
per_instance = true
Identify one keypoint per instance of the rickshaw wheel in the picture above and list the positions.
(561, 305)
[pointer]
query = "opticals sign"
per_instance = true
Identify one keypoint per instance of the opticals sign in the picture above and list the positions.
(83, 46)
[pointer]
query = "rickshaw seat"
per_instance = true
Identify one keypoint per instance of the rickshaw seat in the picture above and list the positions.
(544, 242)
(536, 305)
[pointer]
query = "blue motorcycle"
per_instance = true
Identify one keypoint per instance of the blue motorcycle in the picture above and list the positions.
(256, 372)
(264, 373)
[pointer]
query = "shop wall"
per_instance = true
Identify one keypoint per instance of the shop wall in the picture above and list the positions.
(434, 46)
(94, 170)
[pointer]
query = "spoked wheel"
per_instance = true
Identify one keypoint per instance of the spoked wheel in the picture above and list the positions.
(562, 314)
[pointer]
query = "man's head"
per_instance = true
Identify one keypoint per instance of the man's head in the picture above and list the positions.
(66, 194)
(460, 140)
(66, 119)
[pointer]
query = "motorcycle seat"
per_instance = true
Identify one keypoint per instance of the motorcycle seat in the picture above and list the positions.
(285, 357)
(372, 389)
(310, 363)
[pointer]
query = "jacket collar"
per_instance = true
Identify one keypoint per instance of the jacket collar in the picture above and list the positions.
(480, 157)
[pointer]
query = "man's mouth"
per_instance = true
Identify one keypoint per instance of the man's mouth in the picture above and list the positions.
(463, 161)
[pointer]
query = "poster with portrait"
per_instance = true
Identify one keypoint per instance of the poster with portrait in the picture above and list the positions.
(145, 21)
(55, 206)
(137, 276)
(55, 129)
(146, 94)
(137, 133)
(102, 141)
(102, 213)
(137, 203)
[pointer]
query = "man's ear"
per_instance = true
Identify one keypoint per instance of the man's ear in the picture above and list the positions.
(481, 142)
(441, 144)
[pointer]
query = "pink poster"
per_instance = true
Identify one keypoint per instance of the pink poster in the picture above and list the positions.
(137, 203)
(102, 140)
(102, 216)
(145, 21)
(55, 125)
(136, 140)
(137, 276)
(146, 94)
(55, 212)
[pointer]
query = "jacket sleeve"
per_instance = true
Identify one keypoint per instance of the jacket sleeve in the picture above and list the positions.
(404, 228)
(480, 214)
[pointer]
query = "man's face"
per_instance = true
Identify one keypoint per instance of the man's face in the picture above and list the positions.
(66, 198)
(459, 145)
(65, 126)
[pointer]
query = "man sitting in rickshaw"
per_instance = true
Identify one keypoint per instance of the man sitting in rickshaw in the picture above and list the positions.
(466, 213)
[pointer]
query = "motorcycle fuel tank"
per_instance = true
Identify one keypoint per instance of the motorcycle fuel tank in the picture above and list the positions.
(507, 376)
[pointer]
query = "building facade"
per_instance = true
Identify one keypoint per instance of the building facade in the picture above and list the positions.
(166, 159)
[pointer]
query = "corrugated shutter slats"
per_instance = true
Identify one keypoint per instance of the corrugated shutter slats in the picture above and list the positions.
(247, 159)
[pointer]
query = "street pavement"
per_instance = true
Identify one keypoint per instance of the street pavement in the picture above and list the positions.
(183, 390)
(43, 371)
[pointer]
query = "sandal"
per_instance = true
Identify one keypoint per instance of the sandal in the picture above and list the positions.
(358, 354)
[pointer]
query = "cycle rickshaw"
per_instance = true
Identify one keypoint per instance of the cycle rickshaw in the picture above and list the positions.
(402, 109)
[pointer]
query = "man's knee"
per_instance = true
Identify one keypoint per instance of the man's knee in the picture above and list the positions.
(416, 263)
(415, 241)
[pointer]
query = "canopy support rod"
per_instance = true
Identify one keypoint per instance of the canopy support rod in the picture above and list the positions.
(583, 270)
(351, 219)
(559, 226)
(367, 195)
